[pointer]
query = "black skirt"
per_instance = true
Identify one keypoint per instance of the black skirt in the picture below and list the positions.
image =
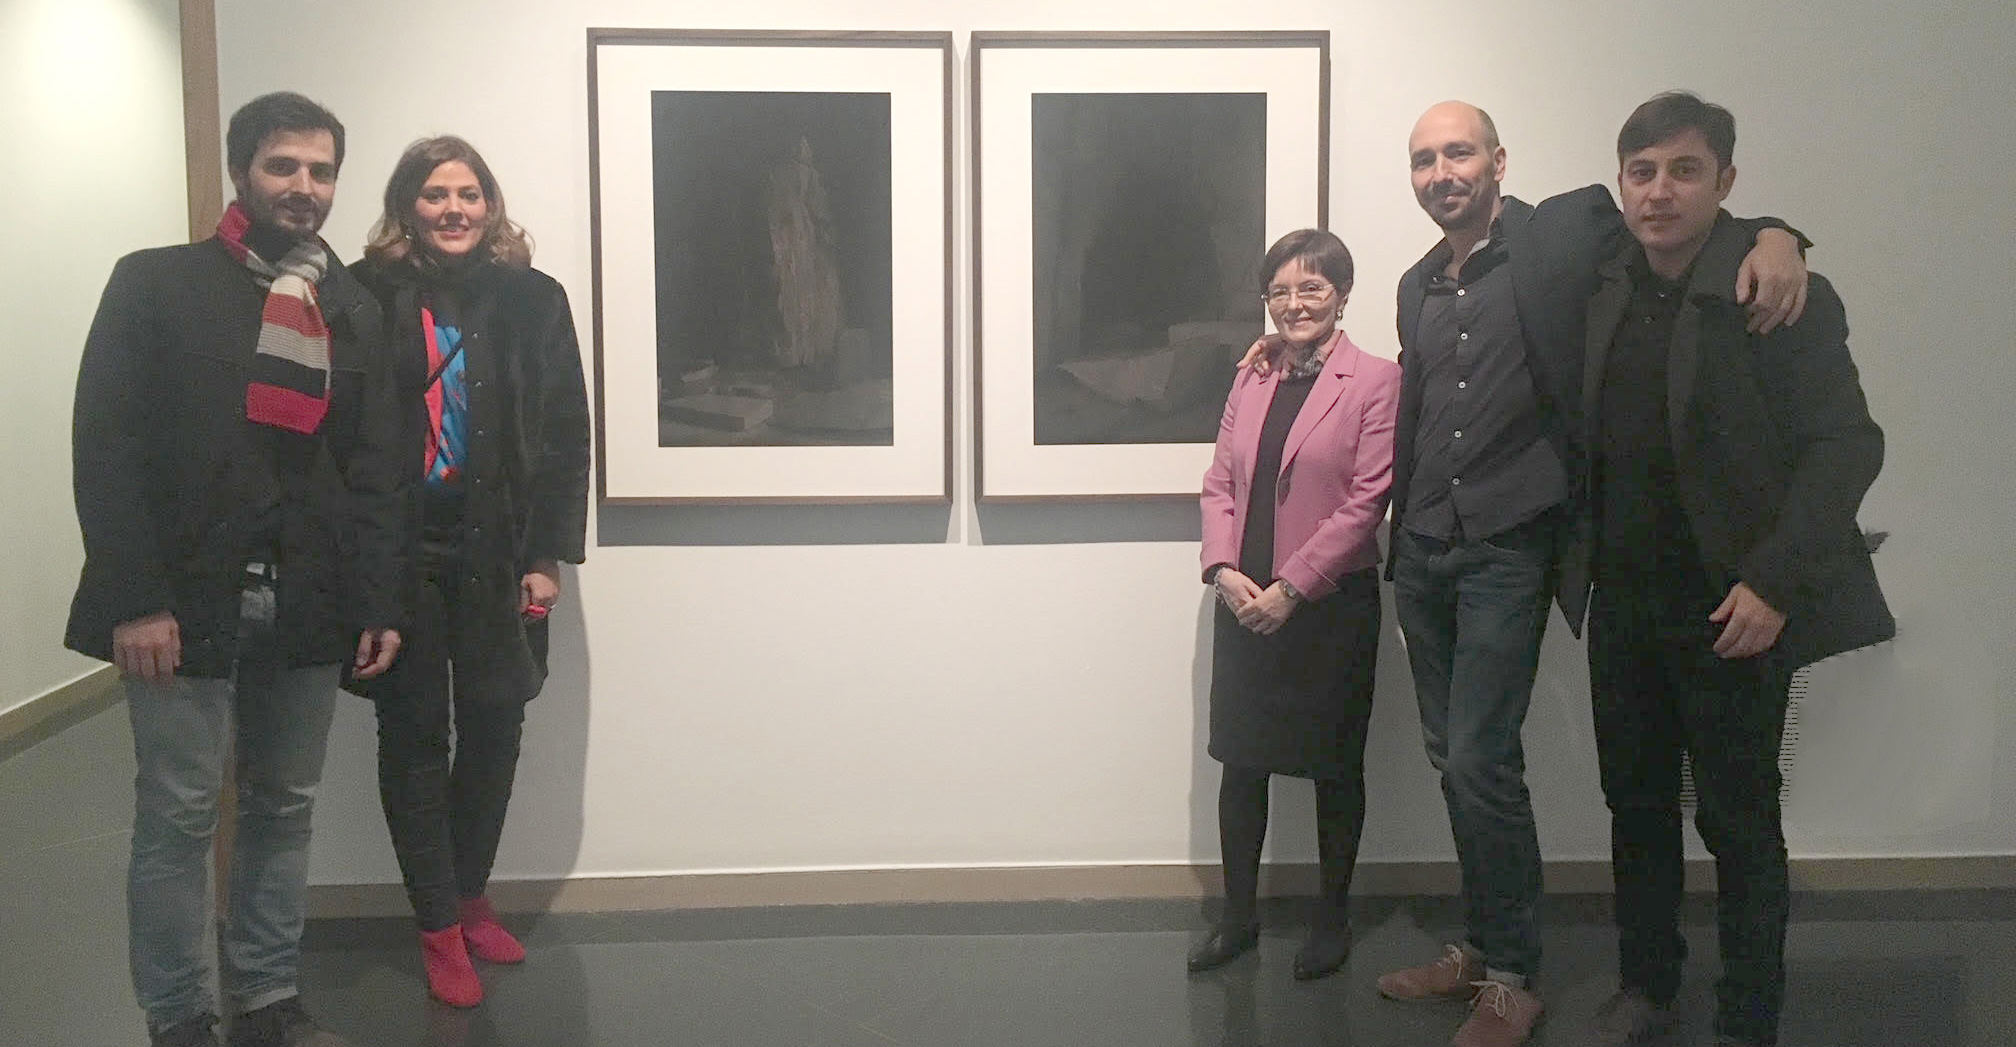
(1298, 702)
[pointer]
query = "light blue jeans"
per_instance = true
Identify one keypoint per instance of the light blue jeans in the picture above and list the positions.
(181, 731)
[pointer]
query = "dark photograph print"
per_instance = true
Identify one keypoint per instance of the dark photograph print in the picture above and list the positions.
(1149, 218)
(773, 268)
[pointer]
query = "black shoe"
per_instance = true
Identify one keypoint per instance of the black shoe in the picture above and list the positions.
(1225, 943)
(1323, 953)
(1630, 1018)
(199, 1031)
(281, 1024)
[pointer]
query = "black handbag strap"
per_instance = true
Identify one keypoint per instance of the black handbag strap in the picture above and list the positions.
(445, 361)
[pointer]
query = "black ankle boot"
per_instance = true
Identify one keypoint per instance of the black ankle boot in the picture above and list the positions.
(1225, 943)
(1325, 950)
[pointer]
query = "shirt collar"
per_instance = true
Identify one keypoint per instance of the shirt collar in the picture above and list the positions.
(1438, 259)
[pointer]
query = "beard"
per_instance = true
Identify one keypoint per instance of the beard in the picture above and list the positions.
(1475, 209)
(290, 217)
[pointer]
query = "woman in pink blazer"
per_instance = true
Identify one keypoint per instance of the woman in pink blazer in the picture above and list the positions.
(1292, 501)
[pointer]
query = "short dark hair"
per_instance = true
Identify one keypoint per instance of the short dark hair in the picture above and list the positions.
(267, 114)
(1675, 112)
(1318, 249)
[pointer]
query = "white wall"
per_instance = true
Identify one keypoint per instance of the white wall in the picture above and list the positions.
(91, 114)
(773, 689)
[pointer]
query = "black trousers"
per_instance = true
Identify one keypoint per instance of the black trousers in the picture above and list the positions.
(1660, 691)
(446, 758)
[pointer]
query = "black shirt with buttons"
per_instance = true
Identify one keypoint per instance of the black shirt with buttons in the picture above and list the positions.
(1482, 462)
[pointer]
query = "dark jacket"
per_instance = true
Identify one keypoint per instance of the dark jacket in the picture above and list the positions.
(1553, 252)
(1556, 252)
(1773, 449)
(526, 475)
(165, 467)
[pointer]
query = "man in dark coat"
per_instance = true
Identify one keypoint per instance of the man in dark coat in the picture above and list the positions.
(1485, 446)
(240, 475)
(1725, 468)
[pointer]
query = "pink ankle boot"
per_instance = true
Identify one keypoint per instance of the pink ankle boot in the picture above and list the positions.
(451, 977)
(488, 940)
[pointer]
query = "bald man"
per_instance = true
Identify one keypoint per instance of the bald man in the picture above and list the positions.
(1491, 328)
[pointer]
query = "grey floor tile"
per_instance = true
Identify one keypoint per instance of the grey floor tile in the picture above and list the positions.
(64, 962)
(607, 995)
(76, 785)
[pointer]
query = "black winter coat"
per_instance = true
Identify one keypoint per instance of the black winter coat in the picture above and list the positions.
(526, 475)
(166, 469)
(1773, 449)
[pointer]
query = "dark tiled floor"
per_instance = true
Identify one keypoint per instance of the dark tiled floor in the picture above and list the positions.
(1885, 970)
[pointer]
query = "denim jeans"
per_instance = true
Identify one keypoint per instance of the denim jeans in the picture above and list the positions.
(1472, 614)
(181, 730)
(1659, 691)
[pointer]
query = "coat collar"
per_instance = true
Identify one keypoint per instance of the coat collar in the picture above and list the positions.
(1338, 368)
(1711, 281)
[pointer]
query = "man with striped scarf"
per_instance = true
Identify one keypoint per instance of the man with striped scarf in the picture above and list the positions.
(241, 481)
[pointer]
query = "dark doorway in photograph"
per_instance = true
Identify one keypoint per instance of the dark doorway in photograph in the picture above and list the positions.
(774, 270)
(1150, 221)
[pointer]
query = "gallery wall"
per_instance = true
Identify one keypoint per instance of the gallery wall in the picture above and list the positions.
(818, 688)
(91, 114)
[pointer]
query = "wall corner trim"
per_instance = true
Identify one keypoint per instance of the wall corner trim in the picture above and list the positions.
(39, 717)
(1103, 882)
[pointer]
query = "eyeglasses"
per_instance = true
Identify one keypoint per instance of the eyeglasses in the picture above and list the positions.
(1285, 297)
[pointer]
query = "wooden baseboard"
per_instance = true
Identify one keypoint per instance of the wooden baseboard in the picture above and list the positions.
(1085, 882)
(38, 718)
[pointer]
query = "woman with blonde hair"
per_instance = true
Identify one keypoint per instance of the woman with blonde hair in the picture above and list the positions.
(491, 372)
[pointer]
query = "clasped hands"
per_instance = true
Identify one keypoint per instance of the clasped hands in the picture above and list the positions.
(1263, 611)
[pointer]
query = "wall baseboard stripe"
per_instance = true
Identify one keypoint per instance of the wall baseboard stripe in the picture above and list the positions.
(38, 718)
(1092, 882)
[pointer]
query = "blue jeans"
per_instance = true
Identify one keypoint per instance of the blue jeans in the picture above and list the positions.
(182, 729)
(1472, 614)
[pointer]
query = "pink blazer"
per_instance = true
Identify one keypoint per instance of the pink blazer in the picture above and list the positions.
(1336, 469)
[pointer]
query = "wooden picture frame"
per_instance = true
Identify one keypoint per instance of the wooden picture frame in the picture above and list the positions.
(1125, 188)
(772, 255)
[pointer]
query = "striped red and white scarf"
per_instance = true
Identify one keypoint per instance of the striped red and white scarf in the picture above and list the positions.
(289, 376)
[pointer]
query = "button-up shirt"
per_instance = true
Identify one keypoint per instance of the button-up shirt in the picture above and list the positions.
(1482, 462)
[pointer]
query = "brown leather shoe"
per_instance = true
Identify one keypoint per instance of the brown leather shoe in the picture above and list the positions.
(1501, 1016)
(1449, 978)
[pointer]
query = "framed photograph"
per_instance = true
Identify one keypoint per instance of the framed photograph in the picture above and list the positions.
(1126, 187)
(772, 256)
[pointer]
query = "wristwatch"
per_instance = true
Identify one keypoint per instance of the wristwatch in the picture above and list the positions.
(1288, 589)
